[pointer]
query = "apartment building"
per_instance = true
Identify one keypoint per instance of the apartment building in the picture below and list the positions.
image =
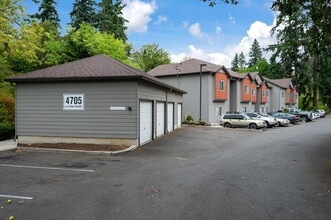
(213, 90)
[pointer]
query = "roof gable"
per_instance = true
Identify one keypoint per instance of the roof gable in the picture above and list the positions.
(283, 83)
(190, 66)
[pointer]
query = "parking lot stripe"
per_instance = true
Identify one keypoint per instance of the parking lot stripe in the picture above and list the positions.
(46, 168)
(16, 197)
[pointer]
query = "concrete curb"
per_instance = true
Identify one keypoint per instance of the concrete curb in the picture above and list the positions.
(8, 151)
(100, 153)
(236, 129)
(221, 127)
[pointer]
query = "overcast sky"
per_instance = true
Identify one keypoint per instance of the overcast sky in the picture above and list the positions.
(190, 28)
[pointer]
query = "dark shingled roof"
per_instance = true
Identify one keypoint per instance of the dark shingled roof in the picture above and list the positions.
(99, 67)
(283, 83)
(186, 67)
(237, 75)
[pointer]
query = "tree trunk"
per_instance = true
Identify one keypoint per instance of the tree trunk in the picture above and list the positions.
(315, 75)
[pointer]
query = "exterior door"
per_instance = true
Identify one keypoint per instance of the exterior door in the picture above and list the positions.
(179, 115)
(159, 119)
(170, 117)
(146, 122)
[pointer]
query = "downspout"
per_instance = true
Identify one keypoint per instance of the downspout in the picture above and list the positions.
(16, 136)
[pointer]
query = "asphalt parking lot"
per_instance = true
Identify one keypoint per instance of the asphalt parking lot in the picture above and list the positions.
(192, 173)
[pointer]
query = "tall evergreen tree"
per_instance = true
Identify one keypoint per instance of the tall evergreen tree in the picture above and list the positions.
(83, 11)
(318, 37)
(290, 29)
(255, 54)
(47, 12)
(110, 19)
(241, 60)
(234, 63)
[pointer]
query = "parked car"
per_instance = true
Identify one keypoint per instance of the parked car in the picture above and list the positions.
(292, 118)
(280, 121)
(304, 116)
(270, 121)
(315, 115)
(322, 112)
(241, 120)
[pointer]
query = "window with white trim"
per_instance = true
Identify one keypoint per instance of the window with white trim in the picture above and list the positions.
(246, 89)
(253, 92)
(221, 85)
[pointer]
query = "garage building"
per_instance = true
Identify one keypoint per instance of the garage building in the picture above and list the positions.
(96, 100)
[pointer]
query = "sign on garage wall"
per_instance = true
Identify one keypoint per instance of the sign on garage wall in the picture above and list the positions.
(73, 101)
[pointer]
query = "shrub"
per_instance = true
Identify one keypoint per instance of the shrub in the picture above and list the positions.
(188, 118)
(7, 132)
(7, 107)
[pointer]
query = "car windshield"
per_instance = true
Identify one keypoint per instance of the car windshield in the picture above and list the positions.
(247, 116)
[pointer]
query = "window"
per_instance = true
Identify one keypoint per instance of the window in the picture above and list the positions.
(218, 111)
(221, 85)
(253, 92)
(263, 93)
(267, 109)
(246, 90)
(244, 109)
(241, 117)
(288, 95)
(266, 93)
(253, 108)
(262, 109)
(282, 94)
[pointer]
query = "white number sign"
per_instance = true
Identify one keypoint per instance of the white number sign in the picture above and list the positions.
(73, 101)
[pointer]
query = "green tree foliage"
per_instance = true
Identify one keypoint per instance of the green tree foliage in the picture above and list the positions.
(255, 54)
(235, 63)
(241, 60)
(303, 48)
(86, 41)
(83, 11)
(111, 20)
(150, 56)
(7, 107)
(47, 12)
(26, 52)
(318, 37)
(289, 30)
(10, 15)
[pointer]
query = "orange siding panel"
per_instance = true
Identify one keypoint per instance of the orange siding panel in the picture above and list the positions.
(255, 91)
(246, 97)
(264, 97)
(221, 94)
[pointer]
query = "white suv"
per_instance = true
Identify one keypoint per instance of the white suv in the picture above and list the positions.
(270, 121)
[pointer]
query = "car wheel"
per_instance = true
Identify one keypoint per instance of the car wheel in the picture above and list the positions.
(304, 118)
(253, 126)
(227, 125)
(279, 124)
(268, 125)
